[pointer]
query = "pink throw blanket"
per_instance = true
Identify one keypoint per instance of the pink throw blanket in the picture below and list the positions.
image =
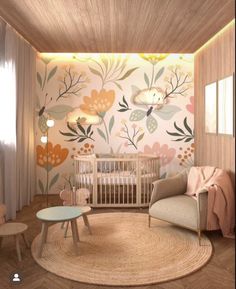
(221, 197)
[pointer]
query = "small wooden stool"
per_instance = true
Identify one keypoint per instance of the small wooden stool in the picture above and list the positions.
(14, 229)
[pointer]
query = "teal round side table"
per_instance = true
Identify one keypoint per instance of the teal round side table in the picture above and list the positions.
(56, 215)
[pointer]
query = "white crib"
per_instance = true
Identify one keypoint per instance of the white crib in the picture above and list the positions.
(117, 180)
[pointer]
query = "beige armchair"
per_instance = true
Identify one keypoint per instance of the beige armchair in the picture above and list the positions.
(170, 204)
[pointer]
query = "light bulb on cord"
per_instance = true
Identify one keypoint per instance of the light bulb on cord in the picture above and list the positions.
(50, 123)
(44, 139)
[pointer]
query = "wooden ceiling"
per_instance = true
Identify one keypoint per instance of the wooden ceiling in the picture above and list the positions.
(154, 26)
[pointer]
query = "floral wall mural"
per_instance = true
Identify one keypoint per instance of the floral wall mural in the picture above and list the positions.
(117, 103)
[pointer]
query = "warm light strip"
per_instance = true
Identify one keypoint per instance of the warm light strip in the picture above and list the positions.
(72, 56)
(215, 36)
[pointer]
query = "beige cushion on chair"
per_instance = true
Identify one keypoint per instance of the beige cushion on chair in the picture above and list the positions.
(180, 210)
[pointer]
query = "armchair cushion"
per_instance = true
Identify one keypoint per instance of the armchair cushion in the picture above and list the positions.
(172, 186)
(180, 210)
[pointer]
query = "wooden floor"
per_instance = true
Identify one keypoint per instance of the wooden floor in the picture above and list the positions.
(217, 274)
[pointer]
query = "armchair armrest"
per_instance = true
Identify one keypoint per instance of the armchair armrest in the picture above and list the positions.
(168, 187)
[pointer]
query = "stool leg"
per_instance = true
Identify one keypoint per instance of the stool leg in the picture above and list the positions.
(18, 247)
(62, 225)
(25, 240)
(86, 222)
(44, 233)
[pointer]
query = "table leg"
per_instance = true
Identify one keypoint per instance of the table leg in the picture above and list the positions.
(86, 222)
(44, 233)
(25, 240)
(65, 233)
(75, 236)
(1, 238)
(18, 247)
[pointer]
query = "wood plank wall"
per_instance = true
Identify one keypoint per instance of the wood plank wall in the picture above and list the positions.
(212, 62)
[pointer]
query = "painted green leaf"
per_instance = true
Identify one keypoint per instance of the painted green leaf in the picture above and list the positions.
(94, 71)
(122, 109)
(140, 137)
(82, 139)
(146, 79)
(42, 124)
(111, 123)
(89, 129)
(52, 73)
(151, 124)
(174, 133)
(122, 105)
(178, 128)
(167, 111)
(118, 85)
(125, 102)
(186, 126)
(127, 74)
(39, 79)
(41, 186)
(53, 180)
(101, 133)
(72, 139)
(159, 74)
(137, 115)
(58, 112)
(66, 133)
(105, 62)
(179, 139)
(188, 139)
(71, 128)
(80, 128)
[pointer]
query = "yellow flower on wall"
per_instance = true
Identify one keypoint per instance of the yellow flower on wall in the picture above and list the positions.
(154, 58)
(99, 102)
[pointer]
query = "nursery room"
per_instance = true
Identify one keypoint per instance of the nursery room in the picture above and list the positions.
(117, 144)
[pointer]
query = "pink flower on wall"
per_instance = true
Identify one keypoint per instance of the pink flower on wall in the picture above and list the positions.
(165, 153)
(190, 107)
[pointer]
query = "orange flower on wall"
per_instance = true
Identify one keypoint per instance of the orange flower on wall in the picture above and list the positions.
(99, 102)
(49, 156)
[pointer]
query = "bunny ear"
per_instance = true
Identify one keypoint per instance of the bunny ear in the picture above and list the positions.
(65, 195)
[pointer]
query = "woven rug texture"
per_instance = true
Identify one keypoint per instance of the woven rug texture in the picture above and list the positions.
(123, 251)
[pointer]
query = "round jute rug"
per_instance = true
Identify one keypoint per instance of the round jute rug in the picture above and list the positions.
(123, 251)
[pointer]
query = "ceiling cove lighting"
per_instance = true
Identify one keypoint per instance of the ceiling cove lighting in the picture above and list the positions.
(230, 24)
(84, 57)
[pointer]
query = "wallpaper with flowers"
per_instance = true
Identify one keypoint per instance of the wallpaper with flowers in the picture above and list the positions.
(115, 103)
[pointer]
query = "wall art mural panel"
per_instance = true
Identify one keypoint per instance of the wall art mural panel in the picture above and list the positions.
(112, 103)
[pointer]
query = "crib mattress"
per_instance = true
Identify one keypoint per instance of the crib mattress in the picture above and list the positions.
(114, 178)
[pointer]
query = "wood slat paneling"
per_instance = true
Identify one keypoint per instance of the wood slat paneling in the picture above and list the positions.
(213, 62)
(174, 26)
